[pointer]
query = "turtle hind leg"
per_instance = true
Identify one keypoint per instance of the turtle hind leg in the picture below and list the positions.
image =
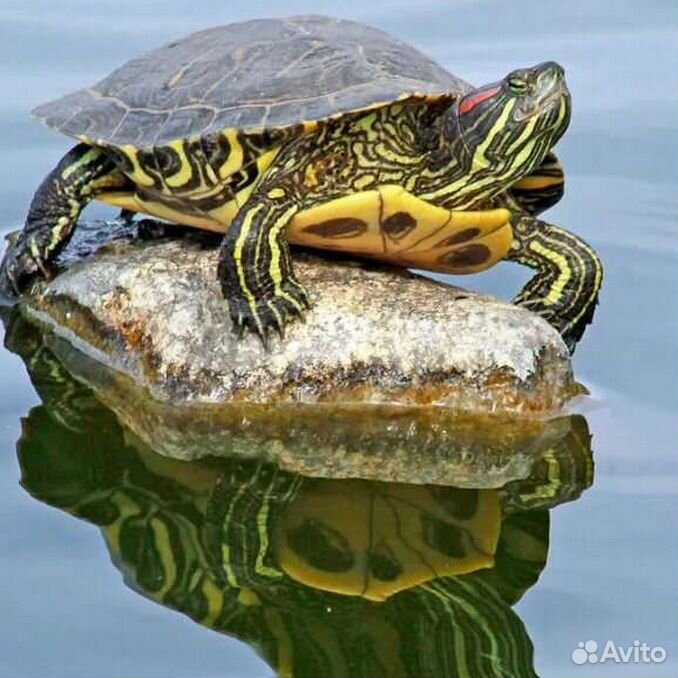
(255, 269)
(127, 215)
(569, 276)
(53, 214)
(149, 229)
(154, 229)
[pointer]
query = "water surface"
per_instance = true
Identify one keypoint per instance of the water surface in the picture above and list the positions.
(610, 570)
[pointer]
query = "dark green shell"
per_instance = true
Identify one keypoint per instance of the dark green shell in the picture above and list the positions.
(257, 74)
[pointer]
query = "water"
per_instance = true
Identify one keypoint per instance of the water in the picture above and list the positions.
(610, 572)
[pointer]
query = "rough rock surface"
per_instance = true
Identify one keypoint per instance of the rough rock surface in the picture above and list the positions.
(153, 310)
(420, 445)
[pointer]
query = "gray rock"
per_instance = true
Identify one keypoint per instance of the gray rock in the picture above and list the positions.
(410, 444)
(154, 311)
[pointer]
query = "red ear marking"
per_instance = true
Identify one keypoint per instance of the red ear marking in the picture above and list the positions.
(470, 102)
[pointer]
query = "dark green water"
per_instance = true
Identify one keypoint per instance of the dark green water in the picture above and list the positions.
(598, 567)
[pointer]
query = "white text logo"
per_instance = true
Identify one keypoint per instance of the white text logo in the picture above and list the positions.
(638, 653)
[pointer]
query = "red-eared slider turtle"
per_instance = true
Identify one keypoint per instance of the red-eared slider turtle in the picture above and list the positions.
(329, 134)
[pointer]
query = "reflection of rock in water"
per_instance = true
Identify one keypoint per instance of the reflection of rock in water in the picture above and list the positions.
(422, 578)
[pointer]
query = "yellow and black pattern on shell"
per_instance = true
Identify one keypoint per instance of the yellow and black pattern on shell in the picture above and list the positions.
(207, 181)
(344, 164)
(198, 181)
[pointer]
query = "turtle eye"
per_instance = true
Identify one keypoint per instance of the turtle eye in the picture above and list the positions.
(517, 85)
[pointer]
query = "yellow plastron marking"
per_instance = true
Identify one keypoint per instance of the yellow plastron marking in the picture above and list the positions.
(392, 225)
(387, 223)
(348, 224)
(223, 216)
(406, 219)
(470, 242)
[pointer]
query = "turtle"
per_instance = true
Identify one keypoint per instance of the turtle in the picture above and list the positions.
(324, 133)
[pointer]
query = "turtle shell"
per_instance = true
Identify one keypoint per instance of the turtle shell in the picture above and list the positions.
(261, 74)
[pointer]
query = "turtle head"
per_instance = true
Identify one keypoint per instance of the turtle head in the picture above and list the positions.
(508, 127)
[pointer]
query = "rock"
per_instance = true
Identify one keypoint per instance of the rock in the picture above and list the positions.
(410, 444)
(154, 311)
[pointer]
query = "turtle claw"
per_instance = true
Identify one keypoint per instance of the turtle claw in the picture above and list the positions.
(298, 313)
(154, 229)
(268, 316)
(44, 270)
(277, 324)
(18, 267)
(8, 288)
(126, 215)
(239, 328)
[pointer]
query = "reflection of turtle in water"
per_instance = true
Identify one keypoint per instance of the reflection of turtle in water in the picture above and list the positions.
(374, 539)
(325, 133)
(248, 549)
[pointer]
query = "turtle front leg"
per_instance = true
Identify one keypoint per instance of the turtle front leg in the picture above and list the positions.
(53, 214)
(569, 276)
(255, 267)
